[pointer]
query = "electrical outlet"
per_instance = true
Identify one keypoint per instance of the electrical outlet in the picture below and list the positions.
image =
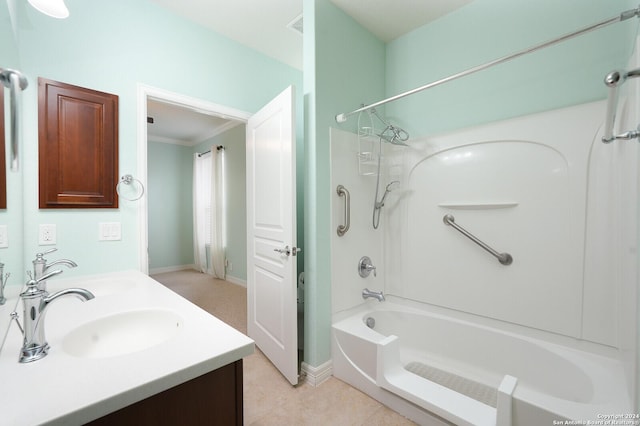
(47, 235)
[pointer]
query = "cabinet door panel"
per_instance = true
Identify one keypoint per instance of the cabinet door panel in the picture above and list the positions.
(78, 146)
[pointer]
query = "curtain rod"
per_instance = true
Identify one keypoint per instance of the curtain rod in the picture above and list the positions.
(218, 148)
(341, 118)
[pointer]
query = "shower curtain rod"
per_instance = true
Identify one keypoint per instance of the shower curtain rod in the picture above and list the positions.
(341, 118)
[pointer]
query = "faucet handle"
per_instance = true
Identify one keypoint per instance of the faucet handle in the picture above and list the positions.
(46, 276)
(365, 266)
(40, 256)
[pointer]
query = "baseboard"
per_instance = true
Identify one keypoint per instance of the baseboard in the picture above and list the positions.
(315, 376)
(237, 281)
(171, 269)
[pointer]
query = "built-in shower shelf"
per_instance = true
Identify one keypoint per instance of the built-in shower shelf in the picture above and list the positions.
(479, 206)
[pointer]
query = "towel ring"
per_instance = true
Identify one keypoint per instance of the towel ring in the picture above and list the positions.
(128, 180)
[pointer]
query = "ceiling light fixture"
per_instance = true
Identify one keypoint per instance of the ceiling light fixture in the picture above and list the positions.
(53, 8)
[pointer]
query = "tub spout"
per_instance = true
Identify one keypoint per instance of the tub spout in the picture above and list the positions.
(366, 293)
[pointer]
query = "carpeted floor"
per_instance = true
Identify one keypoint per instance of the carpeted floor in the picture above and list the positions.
(269, 399)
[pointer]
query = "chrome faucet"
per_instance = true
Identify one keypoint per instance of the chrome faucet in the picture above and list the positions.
(36, 301)
(366, 293)
(41, 266)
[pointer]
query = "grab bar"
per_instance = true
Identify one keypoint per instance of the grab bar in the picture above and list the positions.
(342, 191)
(613, 81)
(504, 258)
(16, 82)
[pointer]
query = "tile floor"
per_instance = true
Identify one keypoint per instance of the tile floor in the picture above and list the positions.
(268, 398)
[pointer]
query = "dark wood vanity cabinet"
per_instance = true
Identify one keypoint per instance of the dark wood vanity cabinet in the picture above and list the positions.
(77, 147)
(215, 398)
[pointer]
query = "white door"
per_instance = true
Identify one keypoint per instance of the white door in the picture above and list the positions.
(271, 233)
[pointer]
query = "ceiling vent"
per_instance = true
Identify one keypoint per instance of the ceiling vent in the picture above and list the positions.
(296, 24)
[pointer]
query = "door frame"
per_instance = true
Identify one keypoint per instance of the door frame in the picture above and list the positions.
(144, 93)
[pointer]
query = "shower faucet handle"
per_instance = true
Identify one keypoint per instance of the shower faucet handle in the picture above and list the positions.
(365, 267)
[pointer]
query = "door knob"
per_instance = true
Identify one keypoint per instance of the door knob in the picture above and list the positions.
(286, 250)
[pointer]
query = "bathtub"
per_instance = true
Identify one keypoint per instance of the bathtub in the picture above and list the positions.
(437, 367)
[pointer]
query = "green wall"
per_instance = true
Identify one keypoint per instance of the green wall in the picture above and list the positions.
(565, 74)
(113, 46)
(343, 67)
(170, 200)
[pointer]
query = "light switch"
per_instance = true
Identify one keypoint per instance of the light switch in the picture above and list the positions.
(109, 231)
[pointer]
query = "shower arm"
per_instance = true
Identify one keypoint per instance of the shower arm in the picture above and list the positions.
(628, 14)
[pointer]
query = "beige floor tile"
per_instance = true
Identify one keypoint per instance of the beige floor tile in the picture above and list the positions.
(269, 399)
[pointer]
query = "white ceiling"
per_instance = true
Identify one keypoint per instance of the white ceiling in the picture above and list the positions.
(390, 19)
(265, 25)
(183, 126)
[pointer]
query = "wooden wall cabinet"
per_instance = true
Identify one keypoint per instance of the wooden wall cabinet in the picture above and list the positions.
(78, 146)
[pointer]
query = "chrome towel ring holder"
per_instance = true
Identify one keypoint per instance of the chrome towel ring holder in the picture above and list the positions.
(128, 180)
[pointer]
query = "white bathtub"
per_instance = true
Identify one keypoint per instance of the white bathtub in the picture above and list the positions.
(533, 381)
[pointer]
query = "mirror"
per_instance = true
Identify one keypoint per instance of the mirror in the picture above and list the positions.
(11, 216)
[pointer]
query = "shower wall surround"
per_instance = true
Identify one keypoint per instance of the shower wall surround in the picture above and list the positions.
(541, 187)
(361, 239)
(536, 187)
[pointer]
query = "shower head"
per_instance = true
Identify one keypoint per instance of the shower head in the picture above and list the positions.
(390, 187)
(394, 135)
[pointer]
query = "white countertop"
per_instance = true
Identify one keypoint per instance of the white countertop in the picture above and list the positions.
(65, 389)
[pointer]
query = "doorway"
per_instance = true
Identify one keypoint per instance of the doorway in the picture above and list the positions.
(181, 126)
(275, 122)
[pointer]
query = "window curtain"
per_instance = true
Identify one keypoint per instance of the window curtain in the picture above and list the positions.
(209, 213)
(201, 208)
(217, 228)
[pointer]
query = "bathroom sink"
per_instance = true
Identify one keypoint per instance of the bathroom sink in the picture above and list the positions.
(122, 333)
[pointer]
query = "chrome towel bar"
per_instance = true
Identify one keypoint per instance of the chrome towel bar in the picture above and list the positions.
(16, 82)
(504, 258)
(342, 191)
(613, 81)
